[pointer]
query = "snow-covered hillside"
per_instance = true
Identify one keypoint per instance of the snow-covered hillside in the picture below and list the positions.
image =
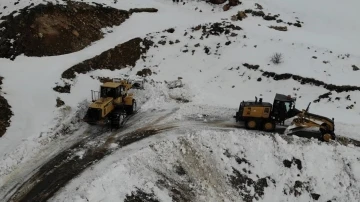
(221, 62)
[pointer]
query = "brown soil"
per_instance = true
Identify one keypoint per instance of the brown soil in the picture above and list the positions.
(125, 54)
(122, 55)
(5, 112)
(49, 30)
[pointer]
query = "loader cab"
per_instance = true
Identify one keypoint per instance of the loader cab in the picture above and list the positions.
(111, 89)
(284, 107)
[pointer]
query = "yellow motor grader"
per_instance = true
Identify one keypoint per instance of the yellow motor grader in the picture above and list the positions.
(112, 103)
(265, 116)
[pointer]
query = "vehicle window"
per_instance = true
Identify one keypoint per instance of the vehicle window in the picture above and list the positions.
(287, 105)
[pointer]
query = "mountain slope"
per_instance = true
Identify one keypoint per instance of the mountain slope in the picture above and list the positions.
(214, 65)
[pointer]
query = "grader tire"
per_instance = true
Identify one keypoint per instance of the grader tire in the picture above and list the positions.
(251, 124)
(327, 136)
(268, 126)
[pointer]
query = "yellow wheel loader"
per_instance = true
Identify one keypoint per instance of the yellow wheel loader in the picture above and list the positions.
(265, 116)
(111, 104)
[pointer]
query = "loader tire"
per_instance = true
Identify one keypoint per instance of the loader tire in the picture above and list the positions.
(251, 124)
(117, 120)
(131, 109)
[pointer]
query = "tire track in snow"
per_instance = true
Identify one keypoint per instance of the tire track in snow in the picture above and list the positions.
(57, 172)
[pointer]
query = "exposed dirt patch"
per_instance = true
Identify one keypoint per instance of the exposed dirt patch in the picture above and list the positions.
(142, 10)
(179, 191)
(304, 80)
(279, 28)
(140, 196)
(243, 184)
(259, 13)
(48, 30)
(119, 57)
(180, 170)
(59, 102)
(5, 112)
(294, 161)
(144, 72)
(63, 89)
(218, 28)
(298, 188)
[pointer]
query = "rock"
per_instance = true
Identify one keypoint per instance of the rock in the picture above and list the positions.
(228, 43)
(258, 6)
(259, 79)
(76, 33)
(258, 13)
(63, 89)
(197, 28)
(233, 34)
(241, 15)
(315, 196)
(226, 7)
(269, 17)
(279, 28)
(144, 72)
(237, 28)
(59, 102)
(254, 67)
(297, 24)
(234, 2)
(355, 68)
(217, 1)
(314, 57)
(234, 18)
(140, 10)
(162, 42)
(171, 30)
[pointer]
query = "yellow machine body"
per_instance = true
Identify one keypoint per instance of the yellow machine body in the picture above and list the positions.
(113, 96)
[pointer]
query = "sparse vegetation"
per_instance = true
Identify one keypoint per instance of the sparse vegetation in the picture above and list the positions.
(277, 58)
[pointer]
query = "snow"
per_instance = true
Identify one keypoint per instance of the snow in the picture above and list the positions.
(132, 167)
(31, 139)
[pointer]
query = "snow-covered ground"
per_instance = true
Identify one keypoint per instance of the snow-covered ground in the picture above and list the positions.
(330, 30)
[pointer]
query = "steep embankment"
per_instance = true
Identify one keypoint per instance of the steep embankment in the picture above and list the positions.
(204, 160)
(5, 112)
